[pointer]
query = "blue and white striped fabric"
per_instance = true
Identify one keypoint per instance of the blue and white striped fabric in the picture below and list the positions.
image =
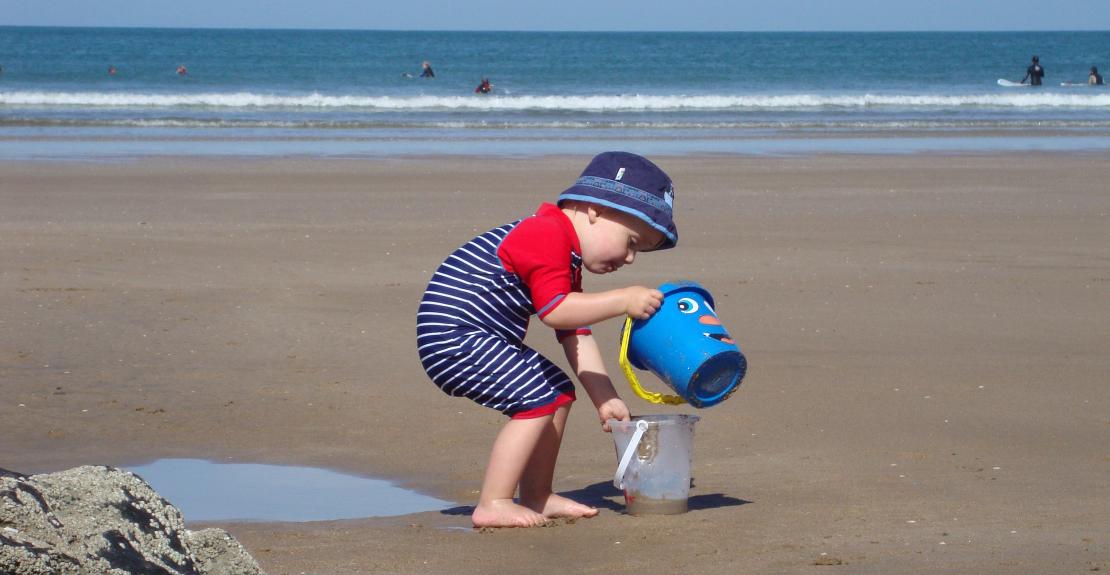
(470, 331)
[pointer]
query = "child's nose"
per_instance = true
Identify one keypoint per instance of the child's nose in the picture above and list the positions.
(631, 256)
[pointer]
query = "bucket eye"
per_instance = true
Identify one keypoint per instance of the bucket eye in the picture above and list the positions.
(687, 305)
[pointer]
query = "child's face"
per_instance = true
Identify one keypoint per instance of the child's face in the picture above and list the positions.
(614, 238)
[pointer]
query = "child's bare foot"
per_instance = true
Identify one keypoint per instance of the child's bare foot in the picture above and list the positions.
(557, 506)
(505, 513)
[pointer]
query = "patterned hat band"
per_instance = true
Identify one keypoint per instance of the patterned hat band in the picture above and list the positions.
(631, 192)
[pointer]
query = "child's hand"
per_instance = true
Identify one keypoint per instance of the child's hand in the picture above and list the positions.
(642, 302)
(612, 409)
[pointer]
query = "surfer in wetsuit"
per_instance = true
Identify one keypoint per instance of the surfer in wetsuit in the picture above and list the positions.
(484, 88)
(427, 73)
(1034, 73)
(1095, 79)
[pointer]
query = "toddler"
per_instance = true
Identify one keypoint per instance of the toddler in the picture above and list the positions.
(475, 312)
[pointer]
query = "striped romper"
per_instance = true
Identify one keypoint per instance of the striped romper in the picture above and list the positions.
(474, 314)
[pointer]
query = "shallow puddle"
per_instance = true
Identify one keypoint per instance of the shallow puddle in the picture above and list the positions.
(207, 491)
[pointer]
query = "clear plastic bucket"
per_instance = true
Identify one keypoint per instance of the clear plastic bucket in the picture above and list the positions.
(654, 462)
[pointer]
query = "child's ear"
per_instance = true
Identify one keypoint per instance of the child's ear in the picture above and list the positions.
(594, 212)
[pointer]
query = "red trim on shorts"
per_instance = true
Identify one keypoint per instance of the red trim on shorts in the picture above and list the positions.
(548, 409)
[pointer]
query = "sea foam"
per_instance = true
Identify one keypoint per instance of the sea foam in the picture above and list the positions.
(585, 103)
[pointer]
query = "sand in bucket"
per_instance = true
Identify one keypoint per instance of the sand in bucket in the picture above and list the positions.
(655, 458)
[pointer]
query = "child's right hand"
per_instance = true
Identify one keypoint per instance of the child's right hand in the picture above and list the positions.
(642, 302)
(612, 409)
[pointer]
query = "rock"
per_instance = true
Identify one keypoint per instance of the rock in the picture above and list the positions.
(102, 520)
(218, 552)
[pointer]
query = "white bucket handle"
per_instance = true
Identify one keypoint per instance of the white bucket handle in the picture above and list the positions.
(633, 444)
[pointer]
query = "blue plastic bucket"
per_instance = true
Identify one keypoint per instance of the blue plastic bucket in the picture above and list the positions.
(685, 345)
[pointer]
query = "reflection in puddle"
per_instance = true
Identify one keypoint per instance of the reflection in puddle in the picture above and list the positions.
(207, 491)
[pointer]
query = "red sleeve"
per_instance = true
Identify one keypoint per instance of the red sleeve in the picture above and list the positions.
(561, 334)
(538, 251)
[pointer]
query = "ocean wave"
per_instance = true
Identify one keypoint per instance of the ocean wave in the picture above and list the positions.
(552, 103)
(601, 124)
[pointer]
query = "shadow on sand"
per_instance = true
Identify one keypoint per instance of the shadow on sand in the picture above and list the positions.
(604, 496)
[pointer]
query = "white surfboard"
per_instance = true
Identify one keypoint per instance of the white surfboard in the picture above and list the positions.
(1010, 83)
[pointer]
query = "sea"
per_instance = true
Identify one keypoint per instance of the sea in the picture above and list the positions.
(360, 93)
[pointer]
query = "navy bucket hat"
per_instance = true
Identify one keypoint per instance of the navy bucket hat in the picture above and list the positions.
(631, 184)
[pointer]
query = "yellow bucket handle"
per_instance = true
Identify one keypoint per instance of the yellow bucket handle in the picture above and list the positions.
(631, 375)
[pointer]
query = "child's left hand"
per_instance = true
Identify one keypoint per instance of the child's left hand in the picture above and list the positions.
(612, 409)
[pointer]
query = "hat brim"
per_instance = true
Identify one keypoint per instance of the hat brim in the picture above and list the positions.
(601, 197)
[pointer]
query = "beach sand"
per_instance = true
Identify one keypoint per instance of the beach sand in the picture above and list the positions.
(928, 338)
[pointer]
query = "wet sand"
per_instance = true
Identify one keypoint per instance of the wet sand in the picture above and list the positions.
(928, 338)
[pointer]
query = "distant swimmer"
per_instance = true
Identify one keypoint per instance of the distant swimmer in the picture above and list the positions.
(1034, 73)
(484, 88)
(181, 71)
(111, 70)
(1095, 79)
(427, 73)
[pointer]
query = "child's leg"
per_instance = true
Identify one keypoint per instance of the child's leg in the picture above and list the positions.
(511, 453)
(536, 482)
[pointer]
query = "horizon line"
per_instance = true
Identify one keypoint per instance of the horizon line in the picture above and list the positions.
(564, 31)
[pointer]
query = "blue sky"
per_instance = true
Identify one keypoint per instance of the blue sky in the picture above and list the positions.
(649, 15)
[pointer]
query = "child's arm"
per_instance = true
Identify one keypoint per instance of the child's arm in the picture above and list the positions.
(582, 309)
(585, 359)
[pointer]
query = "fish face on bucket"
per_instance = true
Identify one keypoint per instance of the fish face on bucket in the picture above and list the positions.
(706, 316)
